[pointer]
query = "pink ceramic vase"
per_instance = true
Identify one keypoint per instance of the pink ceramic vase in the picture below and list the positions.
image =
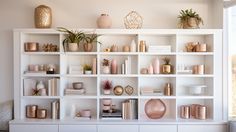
(114, 68)
(156, 66)
(150, 69)
(104, 21)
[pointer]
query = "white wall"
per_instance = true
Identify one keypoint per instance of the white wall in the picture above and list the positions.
(83, 14)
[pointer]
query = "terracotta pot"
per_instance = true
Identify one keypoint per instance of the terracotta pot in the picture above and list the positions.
(88, 47)
(43, 16)
(191, 23)
(104, 21)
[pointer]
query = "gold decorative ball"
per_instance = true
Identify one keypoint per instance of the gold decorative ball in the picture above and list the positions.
(118, 90)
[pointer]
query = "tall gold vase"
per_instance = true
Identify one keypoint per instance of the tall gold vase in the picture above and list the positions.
(43, 16)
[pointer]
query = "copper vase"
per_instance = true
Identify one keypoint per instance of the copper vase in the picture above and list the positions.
(88, 47)
(43, 16)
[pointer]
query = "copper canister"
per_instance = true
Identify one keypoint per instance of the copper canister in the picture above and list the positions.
(31, 111)
(193, 109)
(185, 111)
(41, 113)
(142, 46)
(201, 112)
(31, 46)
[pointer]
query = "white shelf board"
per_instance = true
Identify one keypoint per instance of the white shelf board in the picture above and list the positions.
(118, 53)
(79, 75)
(194, 75)
(118, 75)
(40, 97)
(153, 53)
(195, 53)
(117, 97)
(156, 97)
(80, 97)
(81, 53)
(195, 97)
(42, 53)
(40, 75)
(157, 75)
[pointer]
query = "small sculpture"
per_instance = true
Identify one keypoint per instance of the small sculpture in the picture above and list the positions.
(133, 20)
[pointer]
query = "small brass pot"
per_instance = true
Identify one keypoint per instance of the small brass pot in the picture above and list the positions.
(166, 69)
(31, 46)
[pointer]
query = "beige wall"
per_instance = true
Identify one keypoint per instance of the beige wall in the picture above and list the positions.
(83, 14)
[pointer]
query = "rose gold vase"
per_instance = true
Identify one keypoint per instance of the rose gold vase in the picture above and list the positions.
(88, 47)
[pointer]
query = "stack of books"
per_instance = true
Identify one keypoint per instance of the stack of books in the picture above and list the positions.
(151, 91)
(71, 91)
(53, 86)
(130, 109)
(112, 116)
(159, 48)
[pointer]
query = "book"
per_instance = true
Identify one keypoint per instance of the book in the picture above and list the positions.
(53, 86)
(94, 66)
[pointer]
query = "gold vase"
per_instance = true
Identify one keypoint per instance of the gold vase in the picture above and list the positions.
(43, 16)
(166, 69)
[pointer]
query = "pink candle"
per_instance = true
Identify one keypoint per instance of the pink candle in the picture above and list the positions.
(156, 66)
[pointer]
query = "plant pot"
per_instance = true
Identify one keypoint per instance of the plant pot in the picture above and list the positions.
(73, 47)
(87, 72)
(166, 69)
(106, 70)
(190, 23)
(88, 47)
(106, 92)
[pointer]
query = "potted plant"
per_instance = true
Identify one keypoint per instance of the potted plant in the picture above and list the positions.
(166, 68)
(189, 19)
(106, 68)
(107, 86)
(87, 69)
(72, 40)
(88, 41)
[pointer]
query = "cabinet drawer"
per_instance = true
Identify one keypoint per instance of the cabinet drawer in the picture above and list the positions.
(118, 128)
(77, 128)
(202, 128)
(33, 128)
(159, 128)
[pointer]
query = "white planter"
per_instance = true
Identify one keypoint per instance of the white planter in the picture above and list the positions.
(107, 92)
(87, 72)
(73, 47)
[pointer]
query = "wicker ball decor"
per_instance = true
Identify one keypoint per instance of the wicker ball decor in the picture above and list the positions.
(133, 20)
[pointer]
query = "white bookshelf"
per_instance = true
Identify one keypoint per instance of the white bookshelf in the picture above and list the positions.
(176, 38)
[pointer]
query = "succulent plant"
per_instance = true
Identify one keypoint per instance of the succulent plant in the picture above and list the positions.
(189, 13)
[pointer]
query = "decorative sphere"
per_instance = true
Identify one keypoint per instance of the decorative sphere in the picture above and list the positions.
(118, 90)
(155, 108)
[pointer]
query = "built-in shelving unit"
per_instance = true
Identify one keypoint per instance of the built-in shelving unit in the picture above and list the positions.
(176, 38)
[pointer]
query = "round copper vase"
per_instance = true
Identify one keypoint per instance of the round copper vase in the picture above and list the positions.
(43, 16)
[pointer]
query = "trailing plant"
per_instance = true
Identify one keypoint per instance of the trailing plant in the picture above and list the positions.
(189, 13)
(72, 36)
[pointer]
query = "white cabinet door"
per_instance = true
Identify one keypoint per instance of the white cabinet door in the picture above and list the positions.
(202, 128)
(33, 128)
(117, 128)
(158, 128)
(77, 128)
